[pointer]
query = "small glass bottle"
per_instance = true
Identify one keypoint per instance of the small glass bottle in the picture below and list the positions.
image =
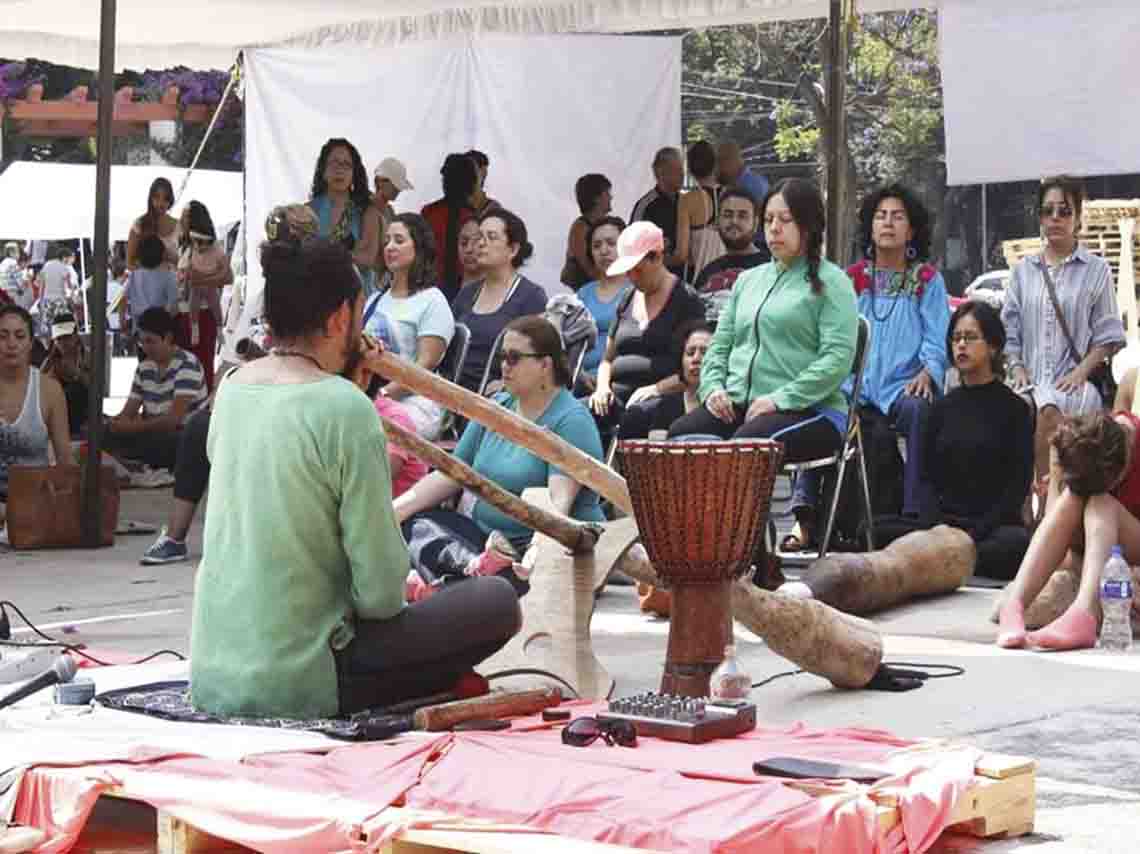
(729, 681)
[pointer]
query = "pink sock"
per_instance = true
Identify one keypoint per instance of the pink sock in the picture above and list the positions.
(1075, 629)
(1011, 625)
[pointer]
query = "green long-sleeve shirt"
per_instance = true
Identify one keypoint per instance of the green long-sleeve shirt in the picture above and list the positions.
(797, 352)
(300, 540)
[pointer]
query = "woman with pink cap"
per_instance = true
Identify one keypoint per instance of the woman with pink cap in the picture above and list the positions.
(785, 340)
(640, 361)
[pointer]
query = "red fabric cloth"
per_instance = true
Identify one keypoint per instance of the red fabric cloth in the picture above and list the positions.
(207, 341)
(1128, 491)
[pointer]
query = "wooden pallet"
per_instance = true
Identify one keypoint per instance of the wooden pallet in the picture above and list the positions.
(999, 803)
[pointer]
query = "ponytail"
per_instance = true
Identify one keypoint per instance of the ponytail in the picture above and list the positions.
(814, 259)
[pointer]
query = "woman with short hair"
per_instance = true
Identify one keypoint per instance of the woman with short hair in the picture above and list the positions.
(1038, 351)
(415, 311)
(595, 200)
(486, 306)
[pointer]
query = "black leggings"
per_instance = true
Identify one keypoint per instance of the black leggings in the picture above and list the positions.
(425, 648)
(999, 553)
(442, 542)
(192, 472)
(806, 435)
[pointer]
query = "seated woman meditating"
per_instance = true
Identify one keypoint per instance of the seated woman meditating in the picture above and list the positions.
(977, 464)
(785, 340)
(640, 359)
(535, 376)
(33, 409)
(415, 310)
(489, 304)
(1094, 504)
(299, 608)
(659, 413)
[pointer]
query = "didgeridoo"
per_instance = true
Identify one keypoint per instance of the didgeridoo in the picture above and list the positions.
(922, 563)
(577, 536)
(843, 649)
(576, 464)
(499, 704)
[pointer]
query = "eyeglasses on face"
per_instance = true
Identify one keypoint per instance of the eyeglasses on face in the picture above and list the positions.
(1061, 211)
(891, 216)
(965, 338)
(513, 357)
(337, 163)
(582, 732)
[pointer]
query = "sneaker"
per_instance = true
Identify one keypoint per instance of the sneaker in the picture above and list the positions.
(164, 550)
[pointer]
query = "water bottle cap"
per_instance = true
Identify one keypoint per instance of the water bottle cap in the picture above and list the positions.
(1117, 551)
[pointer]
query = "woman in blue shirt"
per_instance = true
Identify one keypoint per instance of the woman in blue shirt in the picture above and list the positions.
(535, 377)
(603, 295)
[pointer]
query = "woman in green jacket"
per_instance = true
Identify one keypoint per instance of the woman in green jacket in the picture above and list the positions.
(785, 340)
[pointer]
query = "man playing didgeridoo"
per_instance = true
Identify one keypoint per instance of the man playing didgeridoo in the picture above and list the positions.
(1094, 504)
(299, 607)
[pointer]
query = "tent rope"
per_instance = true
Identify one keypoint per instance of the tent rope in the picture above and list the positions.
(235, 74)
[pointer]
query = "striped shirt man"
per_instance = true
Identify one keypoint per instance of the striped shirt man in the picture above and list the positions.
(156, 387)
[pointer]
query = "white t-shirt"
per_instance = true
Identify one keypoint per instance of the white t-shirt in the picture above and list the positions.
(58, 278)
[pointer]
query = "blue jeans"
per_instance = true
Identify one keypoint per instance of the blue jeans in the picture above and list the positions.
(909, 415)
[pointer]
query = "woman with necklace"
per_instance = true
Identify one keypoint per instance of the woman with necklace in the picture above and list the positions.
(503, 294)
(414, 310)
(640, 359)
(904, 298)
(535, 380)
(1038, 350)
(341, 200)
(977, 458)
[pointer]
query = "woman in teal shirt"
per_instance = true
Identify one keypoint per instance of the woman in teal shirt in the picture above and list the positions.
(785, 340)
(535, 376)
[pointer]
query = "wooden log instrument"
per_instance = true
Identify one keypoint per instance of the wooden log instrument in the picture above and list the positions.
(497, 704)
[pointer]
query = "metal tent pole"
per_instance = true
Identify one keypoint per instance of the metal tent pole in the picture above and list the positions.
(92, 502)
(836, 139)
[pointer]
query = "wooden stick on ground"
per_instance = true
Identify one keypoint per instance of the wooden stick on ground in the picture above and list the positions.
(542, 443)
(579, 537)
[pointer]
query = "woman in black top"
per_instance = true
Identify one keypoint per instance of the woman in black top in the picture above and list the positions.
(486, 306)
(659, 413)
(640, 360)
(978, 450)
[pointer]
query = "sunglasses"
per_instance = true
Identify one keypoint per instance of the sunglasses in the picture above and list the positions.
(513, 357)
(582, 732)
(1061, 211)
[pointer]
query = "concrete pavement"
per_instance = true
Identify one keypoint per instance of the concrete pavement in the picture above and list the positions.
(1076, 713)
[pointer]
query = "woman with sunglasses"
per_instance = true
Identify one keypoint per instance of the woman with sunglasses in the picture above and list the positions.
(203, 270)
(1038, 352)
(535, 379)
(486, 306)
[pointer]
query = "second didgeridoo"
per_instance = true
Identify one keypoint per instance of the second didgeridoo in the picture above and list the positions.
(542, 443)
(576, 536)
(922, 563)
(843, 649)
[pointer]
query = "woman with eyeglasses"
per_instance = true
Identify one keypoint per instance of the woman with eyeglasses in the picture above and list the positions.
(977, 460)
(342, 200)
(535, 380)
(1038, 351)
(203, 270)
(486, 306)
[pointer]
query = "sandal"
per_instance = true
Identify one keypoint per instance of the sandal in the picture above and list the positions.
(797, 541)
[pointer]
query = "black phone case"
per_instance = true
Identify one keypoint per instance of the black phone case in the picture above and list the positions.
(811, 769)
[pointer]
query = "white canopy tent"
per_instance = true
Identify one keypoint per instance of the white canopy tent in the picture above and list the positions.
(56, 201)
(208, 34)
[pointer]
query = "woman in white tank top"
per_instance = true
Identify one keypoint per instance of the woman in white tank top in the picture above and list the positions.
(33, 410)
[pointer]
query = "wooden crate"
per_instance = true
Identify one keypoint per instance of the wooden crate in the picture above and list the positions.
(999, 803)
(1100, 233)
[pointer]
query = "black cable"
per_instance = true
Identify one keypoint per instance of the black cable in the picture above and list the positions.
(764, 682)
(952, 669)
(534, 671)
(70, 647)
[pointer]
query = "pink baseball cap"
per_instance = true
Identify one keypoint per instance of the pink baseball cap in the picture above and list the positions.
(634, 243)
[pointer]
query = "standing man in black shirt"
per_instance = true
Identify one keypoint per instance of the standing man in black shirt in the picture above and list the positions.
(659, 205)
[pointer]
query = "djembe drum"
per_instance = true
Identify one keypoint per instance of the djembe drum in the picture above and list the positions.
(701, 508)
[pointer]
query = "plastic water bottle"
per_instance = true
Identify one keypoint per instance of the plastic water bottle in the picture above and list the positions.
(729, 681)
(1116, 604)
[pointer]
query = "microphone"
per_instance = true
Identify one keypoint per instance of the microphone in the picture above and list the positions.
(63, 670)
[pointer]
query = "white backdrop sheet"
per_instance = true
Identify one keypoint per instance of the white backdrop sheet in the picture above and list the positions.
(1039, 87)
(544, 109)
